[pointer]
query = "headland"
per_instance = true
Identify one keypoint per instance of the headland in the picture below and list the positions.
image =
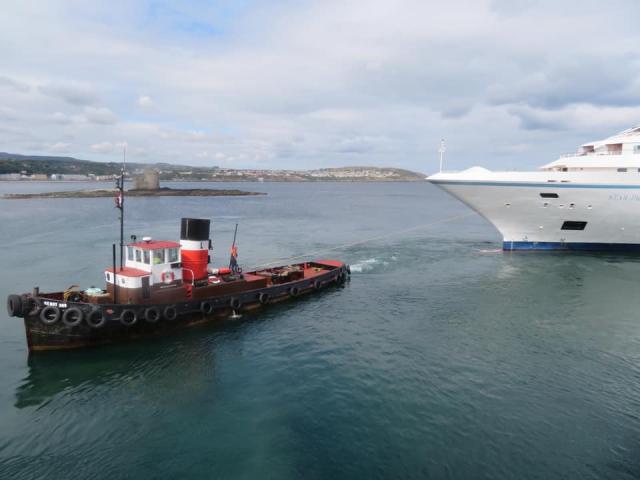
(160, 192)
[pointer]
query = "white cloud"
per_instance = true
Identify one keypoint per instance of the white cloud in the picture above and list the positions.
(59, 117)
(145, 101)
(112, 147)
(102, 115)
(74, 93)
(59, 147)
(14, 84)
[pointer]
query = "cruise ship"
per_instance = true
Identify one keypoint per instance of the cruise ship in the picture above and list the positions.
(588, 200)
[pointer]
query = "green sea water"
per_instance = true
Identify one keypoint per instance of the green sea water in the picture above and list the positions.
(443, 357)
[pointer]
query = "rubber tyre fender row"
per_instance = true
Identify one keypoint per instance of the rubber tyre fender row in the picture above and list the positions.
(49, 315)
(264, 298)
(170, 312)
(152, 314)
(128, 317)
(72, 317)
(95, 318)
(14, 305)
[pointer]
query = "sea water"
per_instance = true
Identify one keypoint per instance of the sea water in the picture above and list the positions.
(443, 357)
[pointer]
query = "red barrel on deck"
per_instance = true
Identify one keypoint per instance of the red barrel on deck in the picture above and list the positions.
(194, 248)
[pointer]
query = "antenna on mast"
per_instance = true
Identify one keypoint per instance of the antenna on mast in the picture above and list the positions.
(442, 149)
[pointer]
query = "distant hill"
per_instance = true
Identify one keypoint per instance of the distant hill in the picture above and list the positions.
(13, 163)
(48, 165)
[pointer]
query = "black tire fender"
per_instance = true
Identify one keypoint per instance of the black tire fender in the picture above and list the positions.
(14, 305)
(170, 312)
(206, 307)
(235, 303)
(317, 285)
(95, 318)
(72, 317)
(294, 291)
(49, 315)
(128, 317)
(152, 314)
(264, 298)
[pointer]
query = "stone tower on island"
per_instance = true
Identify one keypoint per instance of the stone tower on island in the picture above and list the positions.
(149, 180)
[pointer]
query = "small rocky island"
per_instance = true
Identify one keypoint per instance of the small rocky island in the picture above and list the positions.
(146, 185)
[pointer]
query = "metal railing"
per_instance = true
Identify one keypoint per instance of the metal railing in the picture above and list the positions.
(589, 154)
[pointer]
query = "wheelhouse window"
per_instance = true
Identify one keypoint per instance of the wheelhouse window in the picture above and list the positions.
(130, 254)
(172, 255)
(138, 255)
(158, 256)
(146, 257)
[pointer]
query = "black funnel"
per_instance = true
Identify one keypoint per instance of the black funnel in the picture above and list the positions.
(194, 229)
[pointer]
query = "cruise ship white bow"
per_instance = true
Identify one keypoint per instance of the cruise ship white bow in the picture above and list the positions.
(589, 200)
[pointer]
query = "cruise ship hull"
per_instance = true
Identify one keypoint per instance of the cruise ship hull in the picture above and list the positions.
(554, 214)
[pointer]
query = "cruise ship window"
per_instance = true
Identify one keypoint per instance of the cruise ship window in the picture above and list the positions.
(570, 225)
(636, 149)
(549, 195)
(622, 169)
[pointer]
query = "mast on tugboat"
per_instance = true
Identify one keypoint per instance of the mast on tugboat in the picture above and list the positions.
(120, 204)
(233, 260)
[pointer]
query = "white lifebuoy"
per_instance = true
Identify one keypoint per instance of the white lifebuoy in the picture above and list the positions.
(167, 276)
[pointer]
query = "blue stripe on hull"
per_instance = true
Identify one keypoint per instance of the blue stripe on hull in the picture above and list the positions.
(577, 246)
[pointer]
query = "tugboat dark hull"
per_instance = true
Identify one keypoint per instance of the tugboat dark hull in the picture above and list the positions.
(52, 323)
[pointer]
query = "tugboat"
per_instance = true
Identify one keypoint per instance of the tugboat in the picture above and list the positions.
(161, 287)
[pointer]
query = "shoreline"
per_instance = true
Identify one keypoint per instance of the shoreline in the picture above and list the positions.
(346, 180)
(163, 192)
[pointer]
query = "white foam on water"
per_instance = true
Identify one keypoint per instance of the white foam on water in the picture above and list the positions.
(364, 265)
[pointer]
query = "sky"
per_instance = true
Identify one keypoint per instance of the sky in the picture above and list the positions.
(509, 84)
